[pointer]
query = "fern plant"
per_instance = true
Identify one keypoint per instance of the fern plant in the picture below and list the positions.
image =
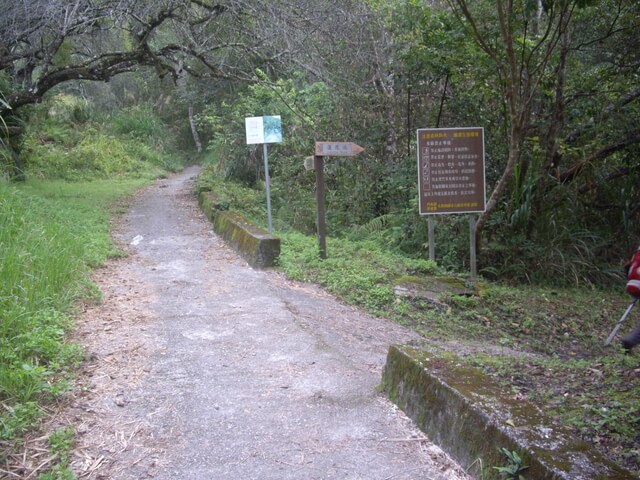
(515, 466)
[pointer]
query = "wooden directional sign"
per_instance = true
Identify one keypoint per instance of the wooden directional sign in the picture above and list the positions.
(327, 149)
(337, 149)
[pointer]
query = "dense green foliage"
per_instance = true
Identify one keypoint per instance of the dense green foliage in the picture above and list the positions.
(567, 209)
(553, 83)
(63, 141)
(305, 111)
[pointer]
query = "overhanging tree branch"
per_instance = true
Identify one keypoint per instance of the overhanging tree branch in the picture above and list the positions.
(632, 138)
(29, 49)
(624, 100)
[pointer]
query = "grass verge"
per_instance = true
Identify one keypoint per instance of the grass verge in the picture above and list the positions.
(51, 234)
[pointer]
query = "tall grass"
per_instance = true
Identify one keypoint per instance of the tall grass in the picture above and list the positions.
(50, 235)
(65, 140)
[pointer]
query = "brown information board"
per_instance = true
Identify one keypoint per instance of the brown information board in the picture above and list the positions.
(451, 175)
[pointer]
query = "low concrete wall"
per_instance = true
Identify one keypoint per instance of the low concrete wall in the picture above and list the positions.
(211, 204)
(471, 417)
(257, 246)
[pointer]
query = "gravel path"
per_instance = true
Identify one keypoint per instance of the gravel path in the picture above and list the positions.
(203, 368)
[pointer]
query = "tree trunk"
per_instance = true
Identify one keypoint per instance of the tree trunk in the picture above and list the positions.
(515, 143)
(387, 88)
(442, 99)
(557, 117)
(194, 130)
(551, 144)
(391, 140)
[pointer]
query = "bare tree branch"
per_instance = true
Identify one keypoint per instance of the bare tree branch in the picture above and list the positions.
(624, 100)
(224, 39)
(569, 175)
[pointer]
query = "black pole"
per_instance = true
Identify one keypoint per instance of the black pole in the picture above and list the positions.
(322, 229)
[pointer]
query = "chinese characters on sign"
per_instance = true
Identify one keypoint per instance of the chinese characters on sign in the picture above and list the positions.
(337, 149)
(451, 170)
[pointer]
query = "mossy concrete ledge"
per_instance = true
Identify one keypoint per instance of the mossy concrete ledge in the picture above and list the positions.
(470, 416)
(256, 245)
(211, 204)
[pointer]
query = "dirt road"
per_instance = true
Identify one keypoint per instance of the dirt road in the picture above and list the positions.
(200, 367)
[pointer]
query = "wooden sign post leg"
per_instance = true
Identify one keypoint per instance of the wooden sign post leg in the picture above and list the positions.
(329, 149)
(472, 241)
(432, 239)
(322, 229)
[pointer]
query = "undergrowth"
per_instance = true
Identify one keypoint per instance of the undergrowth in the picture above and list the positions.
(65, 140)
(362, 273)
(51, 234)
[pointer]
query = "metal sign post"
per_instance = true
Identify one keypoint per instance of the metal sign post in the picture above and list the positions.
(267, 182)
(329, 149)
(264, 130)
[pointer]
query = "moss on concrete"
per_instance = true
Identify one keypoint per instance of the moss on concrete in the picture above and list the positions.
(256, 245)
(211, 204)
(471, 417)
(431, 289)
(452, 285)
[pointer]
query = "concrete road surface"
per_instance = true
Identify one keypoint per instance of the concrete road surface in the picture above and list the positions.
(204, 368)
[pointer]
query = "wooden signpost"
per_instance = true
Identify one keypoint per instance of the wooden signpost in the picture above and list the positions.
(338, 149)
(327, 149)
